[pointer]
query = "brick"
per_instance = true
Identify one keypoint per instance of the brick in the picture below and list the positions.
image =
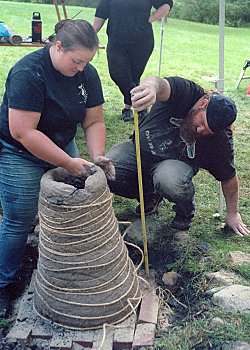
(104, 344)
(26, 312)
(77, 346)
(60, 342)
(21, 331)
(144, 335)
(124, 334)
(149, 309)
(83, 338)
(42, 329)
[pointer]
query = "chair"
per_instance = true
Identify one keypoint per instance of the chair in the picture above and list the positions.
(242, 73)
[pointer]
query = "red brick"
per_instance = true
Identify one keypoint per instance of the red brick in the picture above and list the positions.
(144, 335)
(149, 309)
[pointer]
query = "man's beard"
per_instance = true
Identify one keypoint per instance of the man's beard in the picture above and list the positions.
(188, 131)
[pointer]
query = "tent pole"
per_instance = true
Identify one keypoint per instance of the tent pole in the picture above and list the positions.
(221, 81)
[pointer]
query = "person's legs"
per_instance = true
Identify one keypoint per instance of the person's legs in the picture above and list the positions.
(120, 69)
(173, 180)
(139, 55)
(120, 73)
(19, 191)
(123, 156)
(20, 177)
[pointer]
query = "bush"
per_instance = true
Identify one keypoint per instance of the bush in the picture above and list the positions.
(237, 14)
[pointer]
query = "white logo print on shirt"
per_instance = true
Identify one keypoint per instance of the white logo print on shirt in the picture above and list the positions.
(83, 92)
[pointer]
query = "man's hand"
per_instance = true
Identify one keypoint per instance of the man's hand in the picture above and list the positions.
(107, 166)
(236, 224)
(152, 89)
(143, 96)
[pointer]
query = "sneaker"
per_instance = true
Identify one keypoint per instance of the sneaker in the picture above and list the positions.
(127, 115)
(181, 223)
(150, 205)
(4, 302)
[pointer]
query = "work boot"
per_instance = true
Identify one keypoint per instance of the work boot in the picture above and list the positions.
(127, 115)
(4, 301)
(151, 204)
(181, 223)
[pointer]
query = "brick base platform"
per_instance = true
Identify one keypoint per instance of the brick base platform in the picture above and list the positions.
(135, 332)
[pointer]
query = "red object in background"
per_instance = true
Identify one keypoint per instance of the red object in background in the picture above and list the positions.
(248, 91)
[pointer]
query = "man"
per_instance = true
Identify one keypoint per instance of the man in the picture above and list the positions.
(186, 129)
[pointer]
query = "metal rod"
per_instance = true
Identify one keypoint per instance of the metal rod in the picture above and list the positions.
(221, 82)
(161, 45)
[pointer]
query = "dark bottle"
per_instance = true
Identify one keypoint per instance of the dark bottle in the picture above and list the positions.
(36, 27)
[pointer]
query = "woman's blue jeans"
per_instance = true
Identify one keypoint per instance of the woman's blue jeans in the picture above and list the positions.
(20, 175)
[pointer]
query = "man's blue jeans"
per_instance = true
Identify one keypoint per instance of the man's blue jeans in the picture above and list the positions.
(20, 175)
(171, 178)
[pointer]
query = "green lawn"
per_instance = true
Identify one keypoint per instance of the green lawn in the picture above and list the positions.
(190, 50)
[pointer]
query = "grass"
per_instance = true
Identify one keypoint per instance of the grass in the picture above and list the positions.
(189, 50)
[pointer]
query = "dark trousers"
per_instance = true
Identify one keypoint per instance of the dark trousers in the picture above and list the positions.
(127, 63)
(171, 178)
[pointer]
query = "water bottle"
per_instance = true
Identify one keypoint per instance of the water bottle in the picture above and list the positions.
(36, 27)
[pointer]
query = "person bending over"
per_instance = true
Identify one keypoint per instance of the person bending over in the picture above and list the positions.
(186, 129)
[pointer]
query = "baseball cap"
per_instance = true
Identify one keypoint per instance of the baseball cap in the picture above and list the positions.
(221, 112)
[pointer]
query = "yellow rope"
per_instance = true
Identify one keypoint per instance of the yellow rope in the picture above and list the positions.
(139, 171)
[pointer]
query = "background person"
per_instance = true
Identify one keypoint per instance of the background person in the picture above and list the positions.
(185, 130)
(48, 93)
(130, 40)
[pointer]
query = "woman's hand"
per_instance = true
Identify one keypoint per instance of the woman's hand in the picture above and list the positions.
(78, 167)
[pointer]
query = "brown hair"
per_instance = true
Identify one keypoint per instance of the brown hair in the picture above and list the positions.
(75, 34)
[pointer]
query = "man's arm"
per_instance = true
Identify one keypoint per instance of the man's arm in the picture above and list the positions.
(230, 190)
(151, 89)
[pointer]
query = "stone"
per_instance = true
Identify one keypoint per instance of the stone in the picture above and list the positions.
(237, 345)
(233, 298)
(172, 280)
(239, 258)
(217, 321)
(222, 277)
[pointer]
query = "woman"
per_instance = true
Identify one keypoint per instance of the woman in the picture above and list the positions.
(130, 40)
(48, 93)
